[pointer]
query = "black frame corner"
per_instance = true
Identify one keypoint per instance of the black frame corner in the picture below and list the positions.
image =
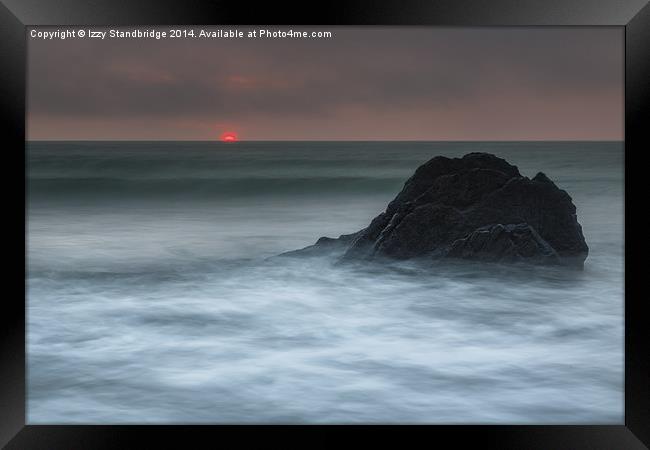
(15, 15)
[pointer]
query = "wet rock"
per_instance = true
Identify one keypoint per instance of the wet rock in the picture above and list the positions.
(324, 246)
(478, 207)
(504, 243)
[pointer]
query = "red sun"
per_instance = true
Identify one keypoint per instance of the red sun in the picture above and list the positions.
(229, 137)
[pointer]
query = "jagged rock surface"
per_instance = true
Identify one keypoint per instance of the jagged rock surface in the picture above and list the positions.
(509, 243)
(477, 207)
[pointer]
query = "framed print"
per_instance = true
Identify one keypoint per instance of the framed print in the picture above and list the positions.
(393, 218)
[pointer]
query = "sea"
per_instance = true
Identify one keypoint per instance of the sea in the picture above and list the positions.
(153, 297)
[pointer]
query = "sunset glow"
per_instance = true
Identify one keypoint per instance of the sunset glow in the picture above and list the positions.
(441, 84)
(229, 137)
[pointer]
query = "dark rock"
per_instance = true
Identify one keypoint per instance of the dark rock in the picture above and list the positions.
(324, 246)
(504, 243)
(475, 207)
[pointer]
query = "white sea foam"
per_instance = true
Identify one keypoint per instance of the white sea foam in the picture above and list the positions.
(160, 306)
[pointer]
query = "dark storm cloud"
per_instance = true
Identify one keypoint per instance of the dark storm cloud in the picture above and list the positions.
(377, 72)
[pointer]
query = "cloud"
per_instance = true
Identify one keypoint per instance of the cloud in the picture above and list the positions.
(377, 72)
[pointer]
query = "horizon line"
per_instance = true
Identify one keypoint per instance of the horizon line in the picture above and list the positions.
(324, 140)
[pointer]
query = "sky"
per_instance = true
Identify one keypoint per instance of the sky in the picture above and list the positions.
(371, 83)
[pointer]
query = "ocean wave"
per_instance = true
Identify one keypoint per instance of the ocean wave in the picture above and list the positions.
(259, 186)
(148, 292)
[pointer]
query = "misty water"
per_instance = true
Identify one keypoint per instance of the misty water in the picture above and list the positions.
(151, 299)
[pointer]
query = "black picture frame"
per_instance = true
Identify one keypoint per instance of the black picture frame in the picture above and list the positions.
(16, 15)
